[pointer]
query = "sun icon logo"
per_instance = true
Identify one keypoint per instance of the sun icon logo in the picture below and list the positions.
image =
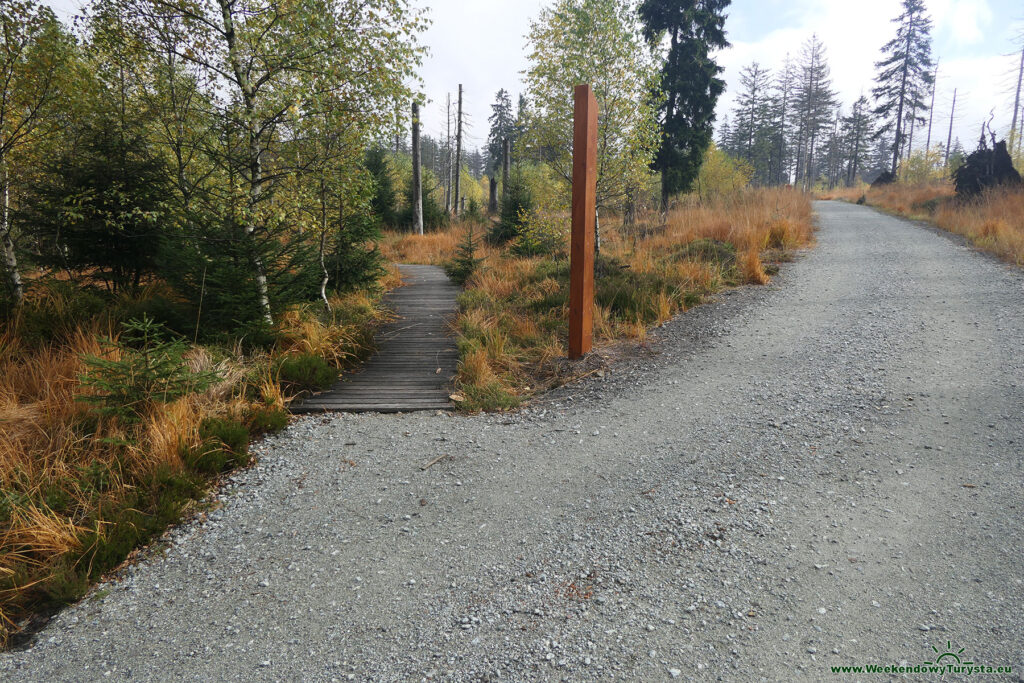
(948, 657)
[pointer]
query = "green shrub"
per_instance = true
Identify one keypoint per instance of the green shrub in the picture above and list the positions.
(708, 251)
(225, 445)
(173, 315)
(56, 310)
(629, 296)
(465, 263)
(304, 372)
(516, 203)
(267, 420)
(492, 396)
(234, 436)
(540, 234)
(150, 370)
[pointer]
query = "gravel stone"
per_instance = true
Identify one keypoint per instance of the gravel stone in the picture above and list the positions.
(761, 456)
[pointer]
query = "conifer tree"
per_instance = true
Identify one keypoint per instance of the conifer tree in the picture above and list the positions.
(904, 76)
(503, 125)
(815, 103)
(691, 82)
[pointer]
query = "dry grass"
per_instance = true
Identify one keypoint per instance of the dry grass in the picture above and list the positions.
(431, 248)
(79, 491)
(512, 324)
(993, 222)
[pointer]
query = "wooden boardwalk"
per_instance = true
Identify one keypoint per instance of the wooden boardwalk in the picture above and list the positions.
(416, 357)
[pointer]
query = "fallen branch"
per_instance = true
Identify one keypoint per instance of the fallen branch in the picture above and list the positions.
(433, 462)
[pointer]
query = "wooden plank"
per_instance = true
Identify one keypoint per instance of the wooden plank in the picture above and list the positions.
(403, 375)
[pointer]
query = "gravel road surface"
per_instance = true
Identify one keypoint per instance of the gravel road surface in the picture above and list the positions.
(823, 472)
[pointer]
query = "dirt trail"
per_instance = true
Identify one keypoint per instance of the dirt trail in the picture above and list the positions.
(824, 472)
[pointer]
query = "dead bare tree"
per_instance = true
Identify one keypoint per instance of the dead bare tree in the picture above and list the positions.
(949, 138)
(417, 176)
(458, 155)
(1016, 102)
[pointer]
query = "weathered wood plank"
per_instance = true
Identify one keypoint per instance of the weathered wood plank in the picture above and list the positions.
(403, 375)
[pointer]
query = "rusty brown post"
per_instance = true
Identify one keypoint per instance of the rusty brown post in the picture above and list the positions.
(584, 197)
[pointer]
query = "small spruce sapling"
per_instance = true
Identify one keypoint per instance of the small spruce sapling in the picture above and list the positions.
(466, 262)
(151, 369)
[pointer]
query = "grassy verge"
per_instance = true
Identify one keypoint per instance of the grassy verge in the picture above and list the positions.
(106, 439)
(512, 323)
(994, 221)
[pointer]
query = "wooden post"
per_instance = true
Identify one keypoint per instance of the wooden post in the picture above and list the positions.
(584, 198)
(417, 178)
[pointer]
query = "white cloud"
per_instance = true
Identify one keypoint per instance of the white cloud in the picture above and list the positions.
(966, 22)
(482, 45)
(853, 34)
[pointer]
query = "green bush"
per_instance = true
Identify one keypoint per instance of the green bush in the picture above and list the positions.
(234, 436)
(225, 445)
(267, 420)
(540, 234)
(516, 204)
(150, 370)
(465, 263)
(304, 372)
(709, 251)
(56, 310)
(173, 315)
(629, 296)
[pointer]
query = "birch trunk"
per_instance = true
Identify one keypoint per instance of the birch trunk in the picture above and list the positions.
(10, 257)
(254, 161)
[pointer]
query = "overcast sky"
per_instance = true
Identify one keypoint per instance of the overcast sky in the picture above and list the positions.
(482, 46)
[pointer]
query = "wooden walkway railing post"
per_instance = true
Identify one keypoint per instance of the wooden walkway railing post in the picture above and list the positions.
(584, 199)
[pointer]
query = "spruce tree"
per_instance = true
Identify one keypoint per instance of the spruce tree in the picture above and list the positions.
(782, 123)
(857, 131)
(752, 118)
(814, 103)
(691, 83)
(904, 75)
(503, 125)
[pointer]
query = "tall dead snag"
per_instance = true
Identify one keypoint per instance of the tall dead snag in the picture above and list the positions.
(417, 177)
(949, 137)
(931, 109)
(1016, 105)
(506, 165)
(458, 155)
(448, 154)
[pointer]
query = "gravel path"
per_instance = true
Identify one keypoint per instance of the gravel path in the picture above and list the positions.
(826, 471)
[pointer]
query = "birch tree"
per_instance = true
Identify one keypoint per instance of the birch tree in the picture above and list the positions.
(596, 42)
(33, 52)
(267, 64)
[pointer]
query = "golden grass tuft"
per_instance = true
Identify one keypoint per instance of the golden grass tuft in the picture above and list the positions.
(753, 271)
(72, 480)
